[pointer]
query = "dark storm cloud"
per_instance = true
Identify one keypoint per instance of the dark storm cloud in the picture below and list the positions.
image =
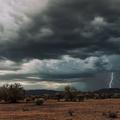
(80, 28)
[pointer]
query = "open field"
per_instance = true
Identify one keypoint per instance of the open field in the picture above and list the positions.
(53, 110)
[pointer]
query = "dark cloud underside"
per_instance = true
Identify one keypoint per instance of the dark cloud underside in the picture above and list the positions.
(76, 27)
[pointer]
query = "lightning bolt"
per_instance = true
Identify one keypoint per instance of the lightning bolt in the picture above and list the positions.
(111, 81)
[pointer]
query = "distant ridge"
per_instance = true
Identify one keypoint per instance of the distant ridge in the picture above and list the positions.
(108, 90)
(53, 92)
(41, 92)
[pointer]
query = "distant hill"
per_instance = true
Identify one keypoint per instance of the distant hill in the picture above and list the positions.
(53, 92)
(108, 90)
(41, 92)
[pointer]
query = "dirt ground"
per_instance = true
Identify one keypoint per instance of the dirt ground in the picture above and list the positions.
(53, 110)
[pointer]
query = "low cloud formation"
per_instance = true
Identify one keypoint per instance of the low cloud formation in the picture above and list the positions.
(58, 71)
(64, 68)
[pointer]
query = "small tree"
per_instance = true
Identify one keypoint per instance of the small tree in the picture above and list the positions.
(16, 92)
(12, 92)
(70, 93)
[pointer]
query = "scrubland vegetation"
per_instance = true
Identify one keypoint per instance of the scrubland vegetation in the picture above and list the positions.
(70, 104)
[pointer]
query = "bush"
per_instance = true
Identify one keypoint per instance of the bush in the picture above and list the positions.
(12, 92)
(71, 112)
(113, 115)
(39, 101)
(70, 93)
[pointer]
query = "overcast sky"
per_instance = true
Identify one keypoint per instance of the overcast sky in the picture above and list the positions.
(48, 44)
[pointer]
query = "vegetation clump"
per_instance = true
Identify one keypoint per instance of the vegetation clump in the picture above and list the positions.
(71, 112)
(12, 93)
(70, 93)
(39, 101)
(112, 115)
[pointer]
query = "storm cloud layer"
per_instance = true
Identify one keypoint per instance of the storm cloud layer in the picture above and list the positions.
(60, 41)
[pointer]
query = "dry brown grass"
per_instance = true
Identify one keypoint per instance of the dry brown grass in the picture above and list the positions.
(53, 110)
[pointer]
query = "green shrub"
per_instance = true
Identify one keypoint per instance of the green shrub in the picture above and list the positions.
(113, 115)
(39, 101)
(70, 93)
(12, 92)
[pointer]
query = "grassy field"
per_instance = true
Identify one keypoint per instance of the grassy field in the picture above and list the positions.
(53, 110)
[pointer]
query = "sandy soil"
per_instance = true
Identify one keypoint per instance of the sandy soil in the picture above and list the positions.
(53, 110)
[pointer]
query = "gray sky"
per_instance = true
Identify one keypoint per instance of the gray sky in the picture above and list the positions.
(53, 43)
